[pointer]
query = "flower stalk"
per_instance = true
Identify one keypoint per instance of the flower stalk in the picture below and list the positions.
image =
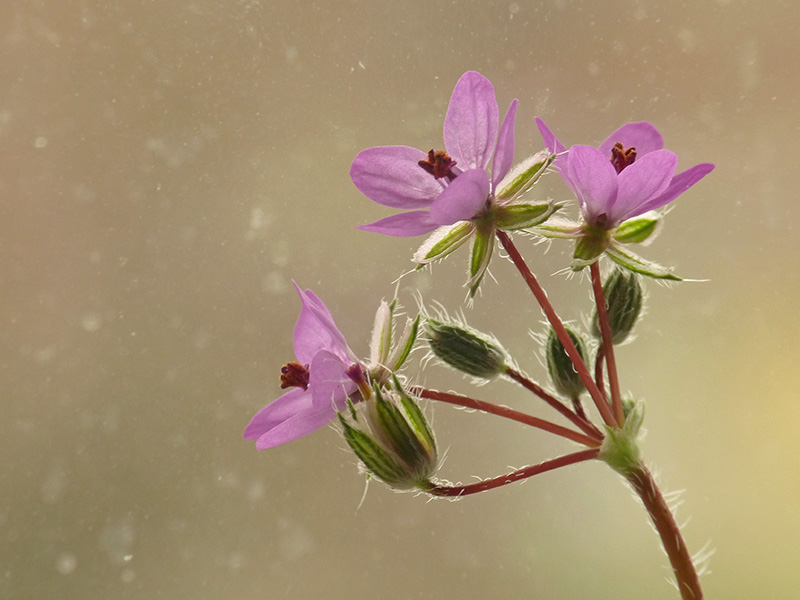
(608, 345)
(541, 297)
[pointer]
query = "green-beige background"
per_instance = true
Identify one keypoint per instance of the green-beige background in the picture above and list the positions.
(166, 170)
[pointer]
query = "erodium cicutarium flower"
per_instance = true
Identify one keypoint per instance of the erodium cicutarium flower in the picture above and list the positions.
(628, 175)
(454, 191)
(324, 376)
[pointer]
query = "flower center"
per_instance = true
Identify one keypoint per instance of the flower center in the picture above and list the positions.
(622, 157)
(439, 164)
(294, 375)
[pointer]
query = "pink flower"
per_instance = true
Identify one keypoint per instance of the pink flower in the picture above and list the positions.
(441, 188)
(325, 375)
(627, 175)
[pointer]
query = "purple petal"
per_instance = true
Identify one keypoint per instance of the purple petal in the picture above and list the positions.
(289, 404)
(679, 184)
(551, 142)
(406, 224)
(463, 199)
(593, 179)
(504, 153)
(391, 175)
(470, 126)
(642, 135)
(328, 381)
(646, 178)
(296, 427)
(315, 330)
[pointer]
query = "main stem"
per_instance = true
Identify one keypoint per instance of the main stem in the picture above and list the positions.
(688, 583)
(608, 345)
(541, 297)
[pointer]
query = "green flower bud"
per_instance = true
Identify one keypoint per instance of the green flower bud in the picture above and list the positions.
(399, 448)
(466, 349)
(624, 300)
(565, 378)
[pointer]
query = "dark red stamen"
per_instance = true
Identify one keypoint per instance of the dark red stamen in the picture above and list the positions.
(622, 157)
(294, 375)
(439, 164)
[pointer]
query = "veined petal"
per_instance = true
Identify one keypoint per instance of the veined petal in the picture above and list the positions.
(463, 199)
(504, 153)
(641, 135)
(328, 380)
(470, 126)
(316, 330)
(391, 175)
(646, 178)
(554, 146)
(406, 224)
(679, 184)
(593, 179)
(296, 427)
(551, 142)
(292, 402)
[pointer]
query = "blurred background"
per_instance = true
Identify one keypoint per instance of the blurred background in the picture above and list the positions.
(167, 168)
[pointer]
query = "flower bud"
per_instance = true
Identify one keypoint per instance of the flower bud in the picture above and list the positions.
(624, 301)
(399, 448)
(565, 378)
(466, 349)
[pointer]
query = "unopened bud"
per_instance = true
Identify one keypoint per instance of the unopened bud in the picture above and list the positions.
(563, 374)
(624, 300)
(466, 349)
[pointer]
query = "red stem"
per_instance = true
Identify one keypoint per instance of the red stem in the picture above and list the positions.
(508, 413)
(608, 345)
(489, 484)
(541, 297)
(682, 565)
(554, 402)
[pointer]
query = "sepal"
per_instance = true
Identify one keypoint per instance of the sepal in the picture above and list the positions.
(512, 217)
(627, 259)
(638, 229)
(523, 175)
(443, 241)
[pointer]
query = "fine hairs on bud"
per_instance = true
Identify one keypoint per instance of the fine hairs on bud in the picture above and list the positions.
(466, 349)
(562, 372)
(624, 301)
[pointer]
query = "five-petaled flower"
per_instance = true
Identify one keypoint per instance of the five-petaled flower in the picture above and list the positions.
(325, 375)
(452, 191)
(628, 175)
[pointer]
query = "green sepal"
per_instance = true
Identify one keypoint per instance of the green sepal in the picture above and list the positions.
(396, 433)
(411, 338)
(590, 246)
(378, 461)
(416, 419)
(524, 215)
(558, 227)
(524, 174)
(443, 242)
(638, 229)
(625, 258)
(481, 256)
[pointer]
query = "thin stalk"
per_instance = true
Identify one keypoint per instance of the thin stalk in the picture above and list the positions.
(508, 413)
(598, 368)
(541, 297)
(554, 402)
(496, 482)
(682, 566)
(608, 345)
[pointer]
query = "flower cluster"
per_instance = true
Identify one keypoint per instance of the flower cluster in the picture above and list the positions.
(472, 191)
